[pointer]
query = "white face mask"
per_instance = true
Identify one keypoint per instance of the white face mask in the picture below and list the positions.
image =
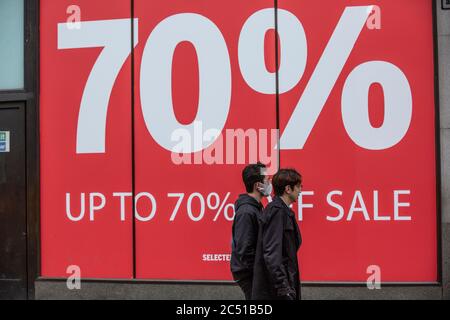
(266, 189)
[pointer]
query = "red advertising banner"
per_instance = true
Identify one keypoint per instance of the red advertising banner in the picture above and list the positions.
(360, 125)
(85, 134)
(187, 83)
(353, 102)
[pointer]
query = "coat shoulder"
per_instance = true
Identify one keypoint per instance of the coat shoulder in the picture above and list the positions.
(274, 210)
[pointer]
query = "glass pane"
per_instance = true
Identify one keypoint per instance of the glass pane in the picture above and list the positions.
(11, 44)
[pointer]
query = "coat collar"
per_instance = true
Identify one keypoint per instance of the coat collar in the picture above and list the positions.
(279, 203)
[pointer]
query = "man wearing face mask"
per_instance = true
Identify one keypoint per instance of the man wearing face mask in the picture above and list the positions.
(276, 271)
(245, 226)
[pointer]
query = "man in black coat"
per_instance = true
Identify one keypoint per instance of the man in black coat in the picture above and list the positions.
(276, 271)
(245, 226)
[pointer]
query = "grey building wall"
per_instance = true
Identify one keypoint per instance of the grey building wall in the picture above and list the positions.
(443, 37)
(141, 290)
(57, 289)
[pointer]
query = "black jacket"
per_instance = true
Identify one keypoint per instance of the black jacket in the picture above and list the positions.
(276, 271)
(245, 233)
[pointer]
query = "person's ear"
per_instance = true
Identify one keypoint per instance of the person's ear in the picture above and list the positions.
(288, 189)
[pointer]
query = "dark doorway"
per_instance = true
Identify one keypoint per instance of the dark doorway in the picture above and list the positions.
(13, 217)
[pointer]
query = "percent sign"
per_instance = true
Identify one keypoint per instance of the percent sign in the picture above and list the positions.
(220, 205)
(355, 108)
(213, 202)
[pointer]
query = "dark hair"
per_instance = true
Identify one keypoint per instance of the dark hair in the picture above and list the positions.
(283, 178)
(252, 174)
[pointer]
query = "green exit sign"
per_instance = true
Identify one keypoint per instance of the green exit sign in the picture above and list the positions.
(4, 141)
